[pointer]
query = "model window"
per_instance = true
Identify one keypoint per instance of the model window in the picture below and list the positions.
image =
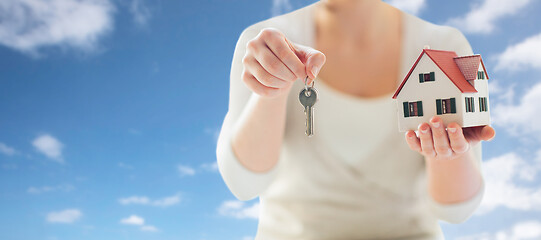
(444, 106)
(470, 107)
(480, 75)
(413, 109)
(483, 106)
(426, 77)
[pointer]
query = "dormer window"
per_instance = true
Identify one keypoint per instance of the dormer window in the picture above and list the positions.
(480, 75)
(426, 77)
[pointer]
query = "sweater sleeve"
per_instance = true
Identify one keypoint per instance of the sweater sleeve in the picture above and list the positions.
(459, 212)
(242, 182)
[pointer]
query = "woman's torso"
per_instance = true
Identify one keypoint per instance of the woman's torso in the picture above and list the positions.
(355, 178)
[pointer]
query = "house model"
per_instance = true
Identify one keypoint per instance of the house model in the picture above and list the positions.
(440, 83)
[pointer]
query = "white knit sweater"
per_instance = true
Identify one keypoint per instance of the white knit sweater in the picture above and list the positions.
(351, 180)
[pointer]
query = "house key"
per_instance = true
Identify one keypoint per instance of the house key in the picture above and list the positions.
(308, 97)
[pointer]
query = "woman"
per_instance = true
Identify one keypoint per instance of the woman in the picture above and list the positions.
(357, 177)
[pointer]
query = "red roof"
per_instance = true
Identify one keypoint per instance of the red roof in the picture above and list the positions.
(445, 60)
(469, 65)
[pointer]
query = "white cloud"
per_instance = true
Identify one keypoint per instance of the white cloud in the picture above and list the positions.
(214, 132)
(185, 170)
(140, 12)
(44, 189)
(238, 209)
(149, 228)
(280, 7)
(526, 54)
(527, 230)
(410, 6)
(134, 200)
(521, 119)
(211, 167)
(134, 131)
(139, 221)
(28, 25)
(7, 150)
(50, 146)
(155, 67)
(143, 200)
(124, 165)
(501, 187)
(64, 216)
(521, 231)
(247, 238)
(133, 220)
(167, 201)
(483, 15)
(504, 94)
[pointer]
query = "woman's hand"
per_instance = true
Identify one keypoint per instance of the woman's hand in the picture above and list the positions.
(272, 63)
(435, 142)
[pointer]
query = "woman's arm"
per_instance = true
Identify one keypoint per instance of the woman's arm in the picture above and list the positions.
(265, 65)
(453, 166)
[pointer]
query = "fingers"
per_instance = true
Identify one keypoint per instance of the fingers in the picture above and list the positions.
(284, 50)
(314, 64)
(434, 140)
(275, 62)
(459, 144)
(270, 62)
(254, 68)
(313, 59)
(479, 133)
(487, 133)
(440, 138)
(425, 136)
(258, 88)
(413, 141)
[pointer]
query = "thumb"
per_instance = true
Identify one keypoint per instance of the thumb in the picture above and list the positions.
(313, 60)
(487, 133)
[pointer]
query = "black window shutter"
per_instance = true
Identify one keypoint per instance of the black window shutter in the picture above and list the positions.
(472, 104)
(406, 109)
(467, 104)
(484, 104)
(421, 78)
(420, 108)
(453, 105)
(480, 104)
(432, 76)
(438, 106)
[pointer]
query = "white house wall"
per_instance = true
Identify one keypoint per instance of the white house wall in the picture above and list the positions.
(428, 92)
(477, 118)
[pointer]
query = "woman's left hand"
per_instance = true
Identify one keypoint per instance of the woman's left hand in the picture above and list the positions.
(436, 142)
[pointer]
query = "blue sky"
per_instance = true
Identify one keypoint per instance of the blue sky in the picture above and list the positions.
(108, 121)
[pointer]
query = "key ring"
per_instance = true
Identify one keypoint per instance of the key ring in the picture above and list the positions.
(306, 92)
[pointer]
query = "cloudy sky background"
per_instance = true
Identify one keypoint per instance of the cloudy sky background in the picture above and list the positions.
(109, 113)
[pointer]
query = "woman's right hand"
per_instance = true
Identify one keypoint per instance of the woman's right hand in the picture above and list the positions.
(272, 63)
